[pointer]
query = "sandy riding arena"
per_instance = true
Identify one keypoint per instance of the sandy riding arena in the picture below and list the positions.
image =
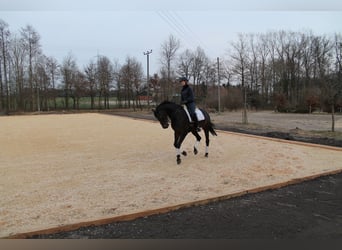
(60, 171)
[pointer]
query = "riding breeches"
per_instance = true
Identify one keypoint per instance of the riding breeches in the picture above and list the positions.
(191, 108)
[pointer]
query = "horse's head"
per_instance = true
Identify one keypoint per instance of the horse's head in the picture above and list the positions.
(161, 115)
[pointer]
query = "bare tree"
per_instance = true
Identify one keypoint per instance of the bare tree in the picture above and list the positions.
(338, 55)
(131, 78)
(240, 61)
(290, 68)
(68, 72)
(168, 55)
(334, 85)
(52, 69)
(32, 46)
(253, 63)
(265, 79)
(199, 63)
(90, 71)
(117, 81)
(299, 70)
(185, 61)
(105, 74)
(18, 56)
(307, 64)
(78, 88)
(4, 64)
(42, 83)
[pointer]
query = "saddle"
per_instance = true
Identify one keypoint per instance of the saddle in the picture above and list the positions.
(198, 112)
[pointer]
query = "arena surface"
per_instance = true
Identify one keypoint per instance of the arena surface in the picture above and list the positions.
(60, 170)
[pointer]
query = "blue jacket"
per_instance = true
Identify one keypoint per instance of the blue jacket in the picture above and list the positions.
(187, 95)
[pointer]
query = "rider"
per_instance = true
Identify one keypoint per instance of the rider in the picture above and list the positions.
(187, 99)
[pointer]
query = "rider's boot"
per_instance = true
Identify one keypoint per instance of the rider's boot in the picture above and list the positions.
(195, 123)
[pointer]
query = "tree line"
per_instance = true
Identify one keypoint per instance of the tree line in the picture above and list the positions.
(282, 70)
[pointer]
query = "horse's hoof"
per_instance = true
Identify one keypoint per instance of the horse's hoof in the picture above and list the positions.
(184, 153)
(195, 151)
(206, 155)
(178, 159)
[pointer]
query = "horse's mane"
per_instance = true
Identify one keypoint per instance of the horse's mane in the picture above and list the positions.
(166, 102)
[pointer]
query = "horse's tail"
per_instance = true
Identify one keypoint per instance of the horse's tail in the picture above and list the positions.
(211, 128)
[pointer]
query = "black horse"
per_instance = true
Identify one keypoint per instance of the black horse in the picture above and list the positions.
(181, 125)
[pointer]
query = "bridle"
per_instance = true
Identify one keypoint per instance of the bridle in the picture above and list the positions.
(162, 118)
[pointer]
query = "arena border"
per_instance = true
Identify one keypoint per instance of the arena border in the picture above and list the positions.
(133, 216)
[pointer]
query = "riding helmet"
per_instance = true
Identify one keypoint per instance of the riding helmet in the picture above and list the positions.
(183, 78)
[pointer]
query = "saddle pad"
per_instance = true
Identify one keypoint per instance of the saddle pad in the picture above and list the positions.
(198, 112)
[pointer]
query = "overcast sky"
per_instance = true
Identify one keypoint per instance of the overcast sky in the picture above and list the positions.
(118, 29)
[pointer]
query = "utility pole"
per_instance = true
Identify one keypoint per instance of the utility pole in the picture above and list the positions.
(147, 53)
(218, 85)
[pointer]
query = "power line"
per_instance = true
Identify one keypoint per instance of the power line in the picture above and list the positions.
(197, 38)
(175, 21)
(193, 34)
(188, 29)
(175, 27)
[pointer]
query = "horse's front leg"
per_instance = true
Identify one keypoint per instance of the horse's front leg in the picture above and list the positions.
(179, 138)
(206, 132)
(198, 139)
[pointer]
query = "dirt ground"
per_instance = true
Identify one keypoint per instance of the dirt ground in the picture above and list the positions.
(250, 216)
